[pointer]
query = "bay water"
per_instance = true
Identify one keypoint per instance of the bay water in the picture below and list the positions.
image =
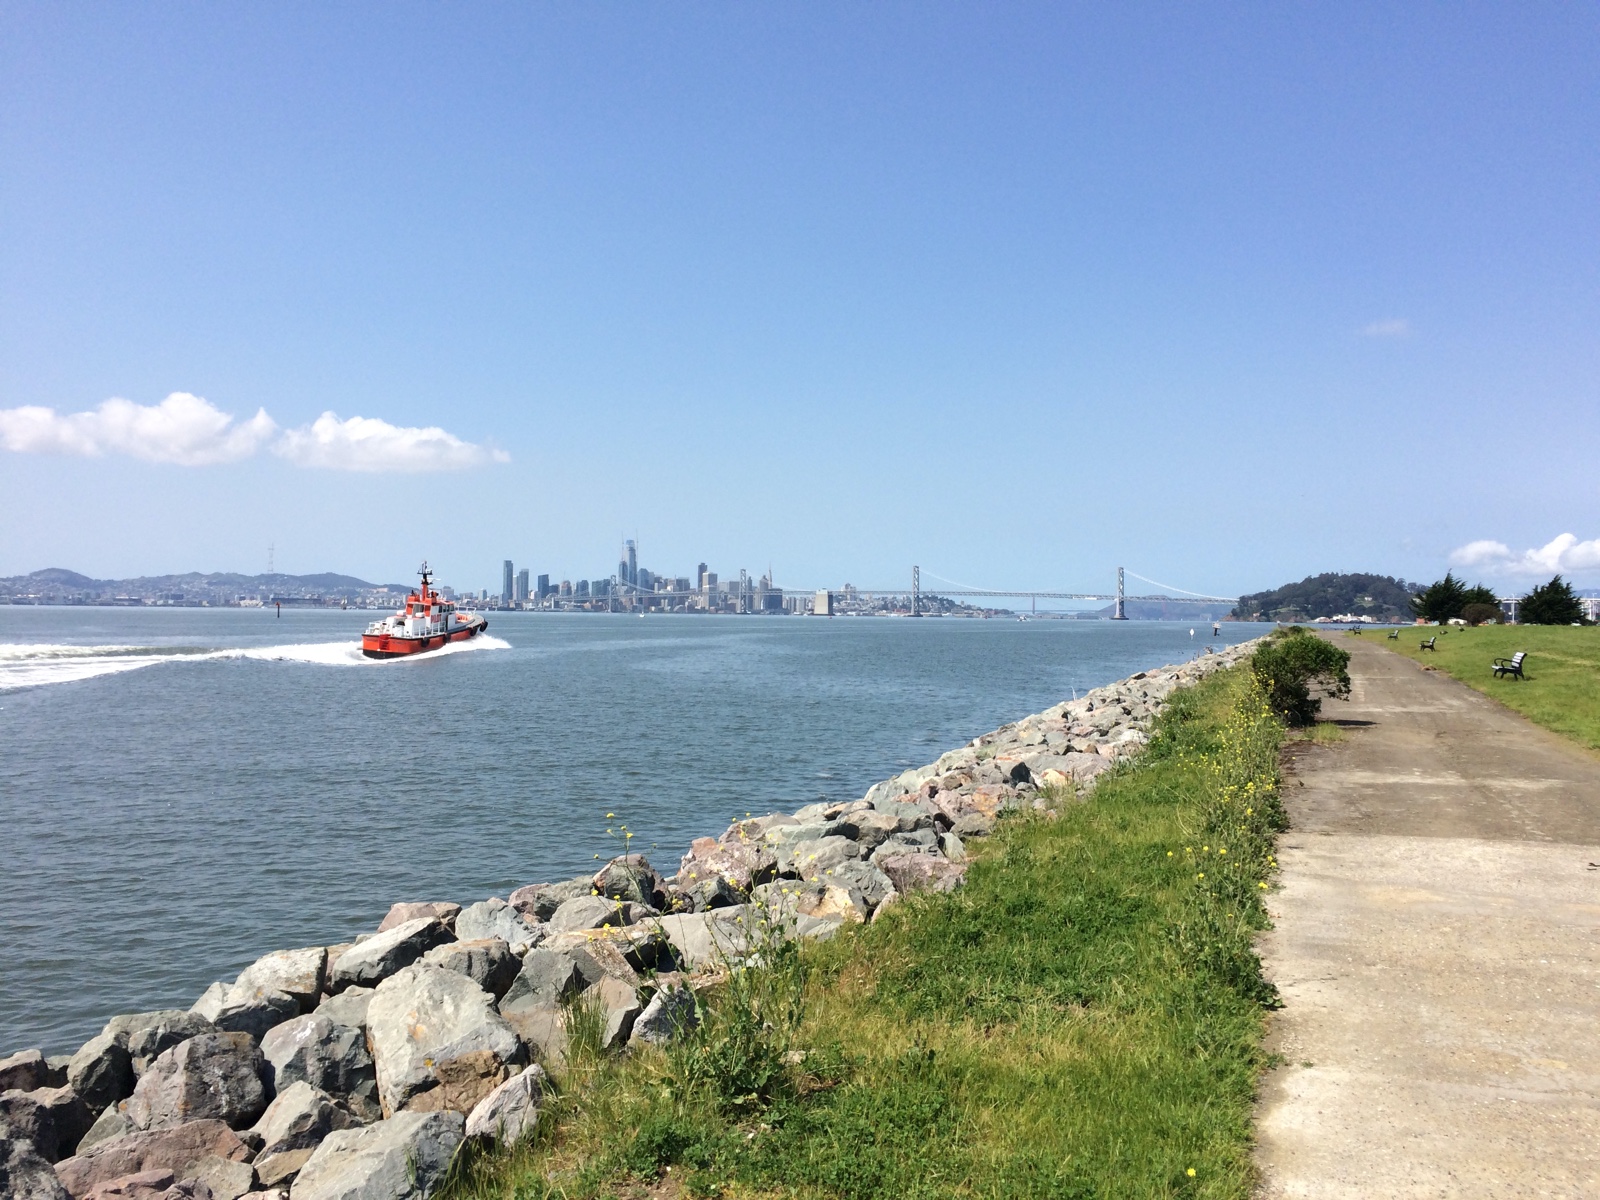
(183, 790)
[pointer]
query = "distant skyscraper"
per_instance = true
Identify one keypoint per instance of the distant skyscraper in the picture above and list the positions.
(700, 578)
(506, 584)
(633, 563)
(522, 586)
(544, 587)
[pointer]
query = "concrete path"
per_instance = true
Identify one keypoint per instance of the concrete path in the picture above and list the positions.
(1437, 949)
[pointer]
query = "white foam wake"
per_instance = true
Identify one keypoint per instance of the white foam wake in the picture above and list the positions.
(37, 664)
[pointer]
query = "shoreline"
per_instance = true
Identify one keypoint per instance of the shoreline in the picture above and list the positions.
(324, 1029)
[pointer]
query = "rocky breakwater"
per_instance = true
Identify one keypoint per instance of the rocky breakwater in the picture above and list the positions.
(355, 1071)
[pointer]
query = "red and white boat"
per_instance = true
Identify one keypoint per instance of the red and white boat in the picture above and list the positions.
(428, 622)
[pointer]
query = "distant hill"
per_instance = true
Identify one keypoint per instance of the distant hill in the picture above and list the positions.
(1331, 595)
(59, 581)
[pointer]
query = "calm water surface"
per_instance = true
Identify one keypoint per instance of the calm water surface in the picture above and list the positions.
(183, 789)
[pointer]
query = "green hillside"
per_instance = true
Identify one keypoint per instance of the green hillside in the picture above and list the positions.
(1330, 595)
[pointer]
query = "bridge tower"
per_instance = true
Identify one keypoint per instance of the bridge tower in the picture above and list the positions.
(916, 591)
(1119, 614)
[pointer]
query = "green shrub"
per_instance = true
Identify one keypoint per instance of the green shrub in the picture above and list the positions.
(1449, 598)
(1481, 614)
(1553, 603)
(1290, 663)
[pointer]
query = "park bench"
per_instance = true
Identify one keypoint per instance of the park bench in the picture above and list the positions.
(1394, 635)
(1429, 644)
(1510, 666)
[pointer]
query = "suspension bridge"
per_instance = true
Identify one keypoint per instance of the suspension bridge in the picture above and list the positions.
(915, 593)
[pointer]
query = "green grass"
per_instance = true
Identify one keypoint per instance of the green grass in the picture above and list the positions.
(1082, 1019)
(1562, 691)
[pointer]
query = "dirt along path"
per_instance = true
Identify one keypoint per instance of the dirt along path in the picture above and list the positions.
(1436, 943)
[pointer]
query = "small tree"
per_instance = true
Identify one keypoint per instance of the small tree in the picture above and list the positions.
(1481, 614)
(1478, 594)
(1290, 663)
(1442, 600)
(1553, 603)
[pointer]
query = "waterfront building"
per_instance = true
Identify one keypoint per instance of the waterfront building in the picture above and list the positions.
(506, 585)
(544, 587)
(521, 596)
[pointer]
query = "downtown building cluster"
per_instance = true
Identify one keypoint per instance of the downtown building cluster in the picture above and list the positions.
(634, 588)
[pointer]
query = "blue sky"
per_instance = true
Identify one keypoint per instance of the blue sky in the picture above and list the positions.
(1018, 293)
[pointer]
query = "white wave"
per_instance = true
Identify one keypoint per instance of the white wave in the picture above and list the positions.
(36, 664)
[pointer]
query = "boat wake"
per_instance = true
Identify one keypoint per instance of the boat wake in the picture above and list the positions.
(25, 665)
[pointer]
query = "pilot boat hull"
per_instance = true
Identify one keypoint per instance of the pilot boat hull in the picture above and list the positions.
(384, 645)
(427, 622)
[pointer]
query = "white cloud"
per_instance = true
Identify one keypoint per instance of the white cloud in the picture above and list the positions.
(192, 432)
(1393, 327)
(1563, 554)
(182, 429)
(368, 444)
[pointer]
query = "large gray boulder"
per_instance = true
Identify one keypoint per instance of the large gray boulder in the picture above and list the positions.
(216, 1076)
(973, 825)
(624, 951)
(868, 827)
(301, 974)
(709, 939)
(631, 877)
(101, 1072)
(742, 859)
(222, 1177)
(780, 836)
(112, 1123)
(438, 1041)
(618, 1003)
(488, 962)
(53, 1119)
(24, 1071)
(403, 1158)
(800, 858)
(24, 1173)
(669, 1015)
(326, 1056)
(539, 901)
(917, 841)
(547, 978)
(922, 872)
(398, 914)
(494, 918)
(509, 1113)
(587, 912)
(147, 1034)
(863, 880)
(703, 893)
(349, 1007)
(248, 1010)
(293, 1126)
(909, 814)
(175, 1150)
(380, 956)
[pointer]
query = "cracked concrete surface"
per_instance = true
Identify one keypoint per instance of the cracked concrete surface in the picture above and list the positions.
(1436, 944)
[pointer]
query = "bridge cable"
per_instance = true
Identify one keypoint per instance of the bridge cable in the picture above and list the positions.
(1185, 591)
